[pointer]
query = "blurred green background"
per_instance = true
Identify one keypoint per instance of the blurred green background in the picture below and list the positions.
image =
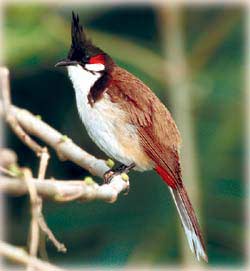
(140, 228)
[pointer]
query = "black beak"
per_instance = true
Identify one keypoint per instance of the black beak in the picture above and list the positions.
(66, 62)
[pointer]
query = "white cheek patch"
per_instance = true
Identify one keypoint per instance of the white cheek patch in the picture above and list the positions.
(95, 67)
(82, 79)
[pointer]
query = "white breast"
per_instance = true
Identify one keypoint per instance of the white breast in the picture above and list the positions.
(104, 119)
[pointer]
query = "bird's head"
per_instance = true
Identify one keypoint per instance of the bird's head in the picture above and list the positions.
(82, 51)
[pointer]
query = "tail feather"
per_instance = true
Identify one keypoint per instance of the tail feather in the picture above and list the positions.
(189, 222)
(186, 213)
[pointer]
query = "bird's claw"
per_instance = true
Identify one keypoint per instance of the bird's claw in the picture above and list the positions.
(108, 176)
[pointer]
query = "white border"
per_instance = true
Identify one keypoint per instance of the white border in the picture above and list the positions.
(247, 127)
(2, 207)
(134, 2)
(245, 3)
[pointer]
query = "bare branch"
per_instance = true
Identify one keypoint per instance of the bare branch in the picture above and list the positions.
(24, 124)
(7, 157)
(41, 221)
(43, 163)
(10, 118)
(35, 209)
(5, 86)
(45, 229)
(63, 145)
(63, 191)
(7, 172)
(65, 148)
(19, 255)
(38, 220)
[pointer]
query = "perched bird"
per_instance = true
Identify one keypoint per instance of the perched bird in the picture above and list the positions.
(129, 123)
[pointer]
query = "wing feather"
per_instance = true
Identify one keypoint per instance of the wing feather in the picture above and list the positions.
(160, 139)
(158, 133)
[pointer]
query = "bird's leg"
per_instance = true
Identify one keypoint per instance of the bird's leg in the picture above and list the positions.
(110, 174)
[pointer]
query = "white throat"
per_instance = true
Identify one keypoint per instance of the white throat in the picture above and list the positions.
(105, 121)
(82, 80)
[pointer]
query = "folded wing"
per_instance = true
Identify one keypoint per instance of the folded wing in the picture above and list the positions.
(161, 141)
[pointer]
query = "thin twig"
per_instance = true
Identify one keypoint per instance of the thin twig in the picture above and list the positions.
(7, 172)
(19, 255)
(35, 209)
(42, 223)
(44, 157)
(10, 118)
(41, 175)
(43, 163)
(44, 227)
(7, 157)
(5, 86)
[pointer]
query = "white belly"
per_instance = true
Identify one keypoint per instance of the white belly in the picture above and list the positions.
(105, 121)
(102, 122)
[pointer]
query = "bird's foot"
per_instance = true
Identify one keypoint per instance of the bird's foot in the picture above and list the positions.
(125, 169)
(110, 174)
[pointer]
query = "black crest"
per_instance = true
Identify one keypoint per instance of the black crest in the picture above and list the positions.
(81, 47)
(79, 39)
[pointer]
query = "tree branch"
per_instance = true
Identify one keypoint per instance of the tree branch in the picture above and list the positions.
(64, 191)
(45, 230)
(64, 146)
(35, 205)
(21, 256)
(7, 157)
(67, 149)
(24, 124)
(10, 117)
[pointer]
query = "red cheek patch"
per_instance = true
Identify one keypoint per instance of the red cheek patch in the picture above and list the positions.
(98, 59)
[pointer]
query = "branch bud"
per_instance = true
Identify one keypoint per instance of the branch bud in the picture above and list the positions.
(125, 177)
(89, 180)
(110, 163)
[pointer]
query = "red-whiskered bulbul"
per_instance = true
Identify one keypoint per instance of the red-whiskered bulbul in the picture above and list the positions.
(129, 123)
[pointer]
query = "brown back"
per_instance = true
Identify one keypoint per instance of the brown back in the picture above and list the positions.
(159, 135)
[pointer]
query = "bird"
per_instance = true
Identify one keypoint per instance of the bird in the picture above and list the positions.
(129, 123)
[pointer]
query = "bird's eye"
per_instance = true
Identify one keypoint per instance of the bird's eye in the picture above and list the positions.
(86, 58)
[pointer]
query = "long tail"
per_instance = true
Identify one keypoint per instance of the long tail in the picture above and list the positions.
(187, 216)
(189, 222)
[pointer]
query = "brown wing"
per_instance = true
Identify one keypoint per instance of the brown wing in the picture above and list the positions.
(158, 132)
(161, 140)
